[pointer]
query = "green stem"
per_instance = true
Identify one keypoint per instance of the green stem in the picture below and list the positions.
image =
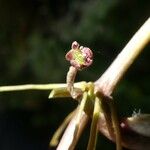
(94, 130)
(80, 85)
(31, 87)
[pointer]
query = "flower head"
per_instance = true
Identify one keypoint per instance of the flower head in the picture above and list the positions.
(80, 57)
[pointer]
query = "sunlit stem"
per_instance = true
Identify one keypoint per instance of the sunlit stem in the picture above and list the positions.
(55, 139)
(31, 87)
(24, 87)
(81, 108)
(116, 126)
(94, 130)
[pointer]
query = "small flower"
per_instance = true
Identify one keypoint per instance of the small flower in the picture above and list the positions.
(80, 57)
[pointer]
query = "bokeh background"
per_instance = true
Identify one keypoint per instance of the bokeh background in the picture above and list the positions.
(34, 37)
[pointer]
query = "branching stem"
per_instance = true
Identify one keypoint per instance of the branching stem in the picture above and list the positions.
(108, 81)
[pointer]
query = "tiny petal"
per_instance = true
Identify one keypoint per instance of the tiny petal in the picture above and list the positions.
(88, 56)
(75, 45)
(87, 52)
(88, 62)
(69, 55)
(81, 47)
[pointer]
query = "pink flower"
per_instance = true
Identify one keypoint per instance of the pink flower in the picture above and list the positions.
(80, 57)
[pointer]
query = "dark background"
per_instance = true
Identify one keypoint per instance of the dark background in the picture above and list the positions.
(34, 37)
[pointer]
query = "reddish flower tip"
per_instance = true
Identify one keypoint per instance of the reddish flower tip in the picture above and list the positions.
(75, 45)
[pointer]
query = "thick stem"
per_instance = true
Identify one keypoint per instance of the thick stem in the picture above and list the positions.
(108, 81)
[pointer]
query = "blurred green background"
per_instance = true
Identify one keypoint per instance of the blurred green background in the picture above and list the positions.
(34, 37)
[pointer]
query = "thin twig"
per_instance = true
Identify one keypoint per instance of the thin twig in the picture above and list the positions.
(94, 125)
(31, 87)
(80, 85)
(116, 125)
